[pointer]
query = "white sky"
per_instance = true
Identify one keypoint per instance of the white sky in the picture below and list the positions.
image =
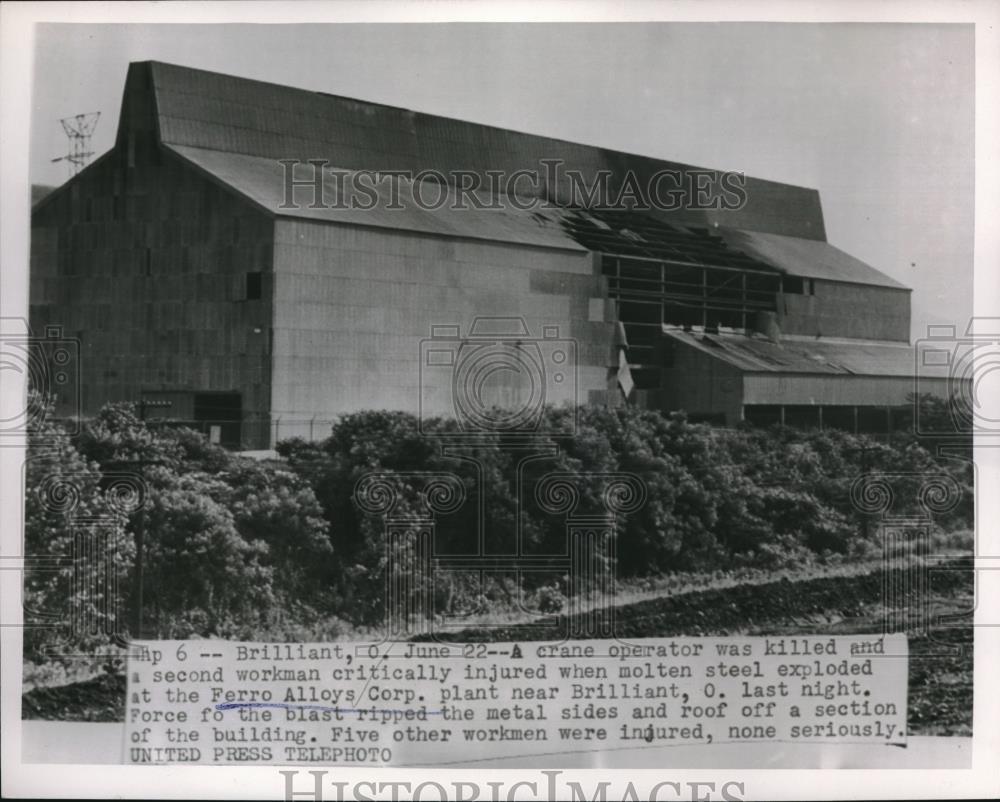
(879, 118)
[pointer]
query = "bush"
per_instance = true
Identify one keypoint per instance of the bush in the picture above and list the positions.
(65, 508)
(549, 599)
(231, 544)
(237, 547)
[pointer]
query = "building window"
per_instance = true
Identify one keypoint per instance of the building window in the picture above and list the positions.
(793, 285)
(254, 286)
(839, 417)
(763, 414)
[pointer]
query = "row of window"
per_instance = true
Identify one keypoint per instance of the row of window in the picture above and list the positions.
(859, 419)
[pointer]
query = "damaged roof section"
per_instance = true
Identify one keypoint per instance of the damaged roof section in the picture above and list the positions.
(637, 234)
(619, 233)
(239, 131)
(633, 233)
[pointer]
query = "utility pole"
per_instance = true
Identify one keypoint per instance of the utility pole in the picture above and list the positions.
(140, 530)
(864, 450)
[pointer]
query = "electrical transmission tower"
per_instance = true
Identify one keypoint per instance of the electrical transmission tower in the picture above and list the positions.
(79, 130)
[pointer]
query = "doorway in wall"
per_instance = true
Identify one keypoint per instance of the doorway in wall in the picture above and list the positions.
(219, 416)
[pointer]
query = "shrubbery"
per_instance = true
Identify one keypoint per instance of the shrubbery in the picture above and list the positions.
(715, 499)
(239, 548)
(231, 546)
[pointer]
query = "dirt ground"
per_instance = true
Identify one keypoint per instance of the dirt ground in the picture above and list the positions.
(940, 668)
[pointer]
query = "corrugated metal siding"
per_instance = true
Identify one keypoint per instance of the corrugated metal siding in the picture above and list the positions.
(354, 304)
(847, 310)
(146, 267)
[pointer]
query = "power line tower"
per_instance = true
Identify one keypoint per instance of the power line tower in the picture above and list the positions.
(79, 130)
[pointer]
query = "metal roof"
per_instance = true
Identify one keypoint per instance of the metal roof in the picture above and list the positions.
(807, 258)
(263, 182)
(756, 354)
(208, 110)
(238, 130)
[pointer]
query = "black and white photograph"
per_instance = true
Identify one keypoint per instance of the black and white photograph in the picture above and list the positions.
(439, 408)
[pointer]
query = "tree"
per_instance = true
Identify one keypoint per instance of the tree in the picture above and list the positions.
(202, 576)
(273, 506)
(82, 533)
(231, 544)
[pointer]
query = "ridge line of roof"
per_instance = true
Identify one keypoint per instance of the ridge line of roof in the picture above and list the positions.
(361, 101)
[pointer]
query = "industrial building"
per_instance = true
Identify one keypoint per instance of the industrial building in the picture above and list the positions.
(186, 274)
